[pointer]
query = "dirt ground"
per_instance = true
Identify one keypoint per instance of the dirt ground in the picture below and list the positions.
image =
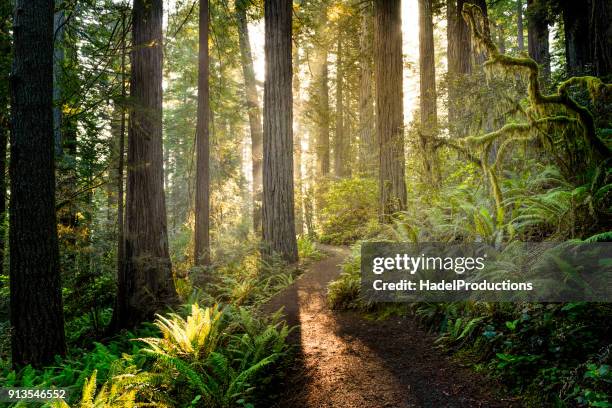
(346, 361)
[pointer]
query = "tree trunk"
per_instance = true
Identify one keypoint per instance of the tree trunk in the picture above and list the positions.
(427, 74)
(252, 101)
(578, 47)
(340, 148)
(297, 143)
(5, 69)
(278, 207)
(121, 155)
(36, 293)
(519, 26)
(389, 107)
(146, 285)
(537, 39)
(320, 99)
(58, 62)
(480, 56)
(601, 37)
(367, 145)
(459, 65)
(201, 251)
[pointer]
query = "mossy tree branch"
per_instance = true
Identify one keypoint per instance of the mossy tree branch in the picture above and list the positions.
(474, 18)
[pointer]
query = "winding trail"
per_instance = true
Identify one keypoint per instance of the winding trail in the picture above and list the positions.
(347, 361)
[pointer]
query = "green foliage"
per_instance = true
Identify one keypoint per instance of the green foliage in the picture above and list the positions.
(349, 211)
(210, 358)
(214, 358)
(307, 249)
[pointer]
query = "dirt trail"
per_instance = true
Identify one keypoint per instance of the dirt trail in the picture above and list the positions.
(346, 361)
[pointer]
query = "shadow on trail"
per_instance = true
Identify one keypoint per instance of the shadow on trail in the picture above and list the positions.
(428, 377)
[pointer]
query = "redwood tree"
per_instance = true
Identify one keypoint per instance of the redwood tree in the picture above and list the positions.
(367, 144)
(145, 281)
(389, 107)
(201, 251)
(427, 72)
(253, 109)
(537, 38)
(36, 310)
(278, 207)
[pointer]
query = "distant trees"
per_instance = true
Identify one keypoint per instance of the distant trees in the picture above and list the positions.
(341, 141)
(145, 284)
(427, 72)
(389, 106)
(368, 156)
(537, 38)
(201, 251)
(588, 45)
(320, 92)
(253, 109)
(36, 294)
(278, 201)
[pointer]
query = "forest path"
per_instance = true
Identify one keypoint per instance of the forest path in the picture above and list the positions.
(347, 361)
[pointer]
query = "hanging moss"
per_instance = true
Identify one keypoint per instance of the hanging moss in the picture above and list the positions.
(557, 113)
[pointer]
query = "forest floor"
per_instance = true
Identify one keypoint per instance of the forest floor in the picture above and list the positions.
(346, 360)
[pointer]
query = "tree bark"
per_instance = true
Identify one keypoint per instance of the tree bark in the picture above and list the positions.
(459, 63)
(588, 37)
(320, 97)
(5, 69)
(58, 61)
(254, 112)
(519, 26)
(340, 145)
(367, 145)
(278, 206)
(201, 251)
(36, 299)
(389, 107)
(297, 143)
(146, 284)
(121, 155)
(427, 75)
(537, 39)
(601, 36)
(578, 47)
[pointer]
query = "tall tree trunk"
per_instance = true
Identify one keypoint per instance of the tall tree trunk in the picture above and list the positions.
(58, 61)
(427, 74)
(537, 39)
(5, 69)
(459, 63)
(340, 148)
(389, 107)
(121, 154)
(601, 36)
(519, 26)
(36, 309)
(578, 47)
(252, 102)
(588, 36)
(201, 251)
(146, 285)
(480, 56)
(367, 144)
(278, 207)
(320, 97)
(297, 143)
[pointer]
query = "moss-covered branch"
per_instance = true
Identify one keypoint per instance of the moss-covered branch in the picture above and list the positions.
(475, 19)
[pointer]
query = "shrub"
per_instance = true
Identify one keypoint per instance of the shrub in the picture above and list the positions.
(349, 211)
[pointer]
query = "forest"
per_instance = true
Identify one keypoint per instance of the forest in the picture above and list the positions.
(186, 187)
